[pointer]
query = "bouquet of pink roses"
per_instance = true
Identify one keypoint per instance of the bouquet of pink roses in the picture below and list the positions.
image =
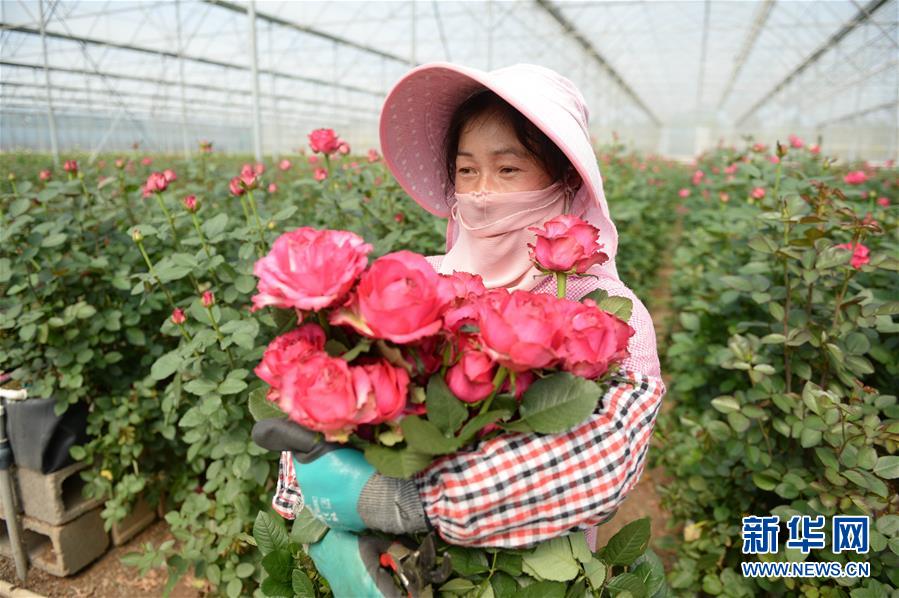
(408, 364)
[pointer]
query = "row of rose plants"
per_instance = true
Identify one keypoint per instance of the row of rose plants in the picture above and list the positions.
(783, 365)
(126, 284)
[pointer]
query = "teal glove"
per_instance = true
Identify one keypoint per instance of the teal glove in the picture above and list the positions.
(339, 486)
(351, 564)
(332, 484)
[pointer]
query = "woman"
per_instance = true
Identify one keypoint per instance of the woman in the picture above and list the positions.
(495, 153)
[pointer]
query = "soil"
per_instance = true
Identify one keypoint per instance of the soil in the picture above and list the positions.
(107, 577)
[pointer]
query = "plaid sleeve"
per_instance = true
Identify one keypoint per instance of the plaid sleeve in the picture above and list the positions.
(518, 489)
(288, 500)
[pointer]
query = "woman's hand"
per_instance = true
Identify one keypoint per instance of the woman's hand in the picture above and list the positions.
(330, 476)
(339, 486)
(351, 564)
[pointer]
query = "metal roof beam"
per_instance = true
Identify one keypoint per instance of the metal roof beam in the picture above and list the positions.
(311, 31)
(569, 27)
(861, 16)
(201, 86)
(174, 55)
(761, 17)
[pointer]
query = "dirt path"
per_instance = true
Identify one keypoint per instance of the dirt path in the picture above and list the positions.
(107, 577)
(643, 500)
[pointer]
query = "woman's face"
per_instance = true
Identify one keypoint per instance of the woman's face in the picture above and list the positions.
(491, 158)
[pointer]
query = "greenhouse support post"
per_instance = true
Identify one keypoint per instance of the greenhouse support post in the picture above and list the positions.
(254, 66)
(184, 140)
(51, 117)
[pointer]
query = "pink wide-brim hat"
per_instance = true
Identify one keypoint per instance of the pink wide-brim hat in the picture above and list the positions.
(416, 115)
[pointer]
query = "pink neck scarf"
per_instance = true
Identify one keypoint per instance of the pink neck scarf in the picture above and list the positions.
(493, 236)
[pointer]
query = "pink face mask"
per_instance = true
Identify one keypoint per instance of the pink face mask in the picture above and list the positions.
(493, 236)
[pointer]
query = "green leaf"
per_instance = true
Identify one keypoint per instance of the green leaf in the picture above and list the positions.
(626, 582)
(543, 589)
(579, 547)
(629, 543)
(467, 561)
(559, 402)
(596, 572)
(620, 307)
(166, 365)
(740, 283)
(887, 467)
(231, 386)
(444, 410)
(509, 562)
(301, 584)
(424, 437)
(552, 560)
(396, 463)
(215, 225)
(53, 240)
(245, 284)
(244, 570)
(278, 563)
(457, 586)
(261, 407)
(504, 585)
(272, 588)
(478, 422)
(857, 343)
(200, 386)
(739, 422)
(269, 533)
(726, 404)
(306, 528)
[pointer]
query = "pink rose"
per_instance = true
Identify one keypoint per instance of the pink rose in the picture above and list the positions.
(796, 142)
(324, 141)
(169, 175)
(156, 183)
(566, 244)
(343, 148)
(814, 149)
(684, 193)
(465, 284)
(774, 159)
(373, 155)
(272, 188)
(523, 380)
(593, 341)
(236, 187)
(284, 164)
(248, 177)
(471, 379)
(856, 177)
(883, 202)
(146, 161)
(287, 350)
(309, 268)
(400, 298)
(318, 393)
(698, 176)
(859, 254)
(758, 192)
(759, 147)
(382, 390)
(313, 160)
(521, 331)
(44, 175)
(321, 174)
(190, 203)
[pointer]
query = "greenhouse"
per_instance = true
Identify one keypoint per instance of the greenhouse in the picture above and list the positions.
(549, 298)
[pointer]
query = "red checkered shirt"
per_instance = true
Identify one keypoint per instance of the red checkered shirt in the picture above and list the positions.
(519, 489)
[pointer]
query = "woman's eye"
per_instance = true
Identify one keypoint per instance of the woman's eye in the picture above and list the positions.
(508, 169)
(464, 170)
